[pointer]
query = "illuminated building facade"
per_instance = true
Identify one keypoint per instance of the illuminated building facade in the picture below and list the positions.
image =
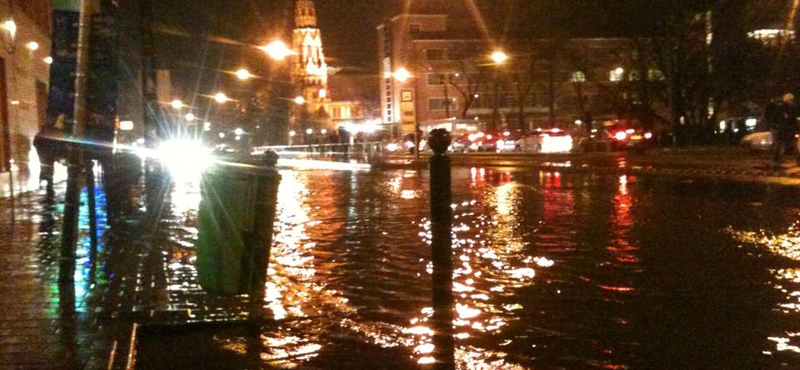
(24, 80)
(310, 71)
(434, 69)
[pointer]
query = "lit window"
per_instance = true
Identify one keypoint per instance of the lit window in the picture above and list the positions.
(578, 76)
(434, 54)
(616, 75)
(655, 75)
(441, 103)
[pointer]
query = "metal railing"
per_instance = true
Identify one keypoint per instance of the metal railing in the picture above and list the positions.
(363, 152)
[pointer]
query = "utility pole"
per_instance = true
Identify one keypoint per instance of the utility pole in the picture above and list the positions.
(69, 235)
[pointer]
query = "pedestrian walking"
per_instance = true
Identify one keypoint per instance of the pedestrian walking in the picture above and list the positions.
(781, 116)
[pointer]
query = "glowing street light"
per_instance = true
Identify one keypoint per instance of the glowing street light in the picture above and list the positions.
(207, 126)
(499, 57)
(177, 104)
(33, 45)
(292, 133)
(11, 27)
(277, 50)
(244, 74)
(190, 117)
(238, 131)
(309, 131)
(48, 60)
(402, 75)
(299, 100)
(323, 93)
(221, 98)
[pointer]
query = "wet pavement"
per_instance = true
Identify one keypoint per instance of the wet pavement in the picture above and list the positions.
(554, 270)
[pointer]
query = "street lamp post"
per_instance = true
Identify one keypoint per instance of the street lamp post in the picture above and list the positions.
(499, 58)
(278, 51)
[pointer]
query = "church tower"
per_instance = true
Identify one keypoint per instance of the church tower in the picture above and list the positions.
(310, 72)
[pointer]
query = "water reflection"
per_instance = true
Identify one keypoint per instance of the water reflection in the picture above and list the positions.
(551, 270)
(787, 280)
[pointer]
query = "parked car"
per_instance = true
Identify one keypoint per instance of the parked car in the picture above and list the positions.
(630, 138)
(758, 141)
(540, 141)
(507, 140)
(476, 142)
(763, 141)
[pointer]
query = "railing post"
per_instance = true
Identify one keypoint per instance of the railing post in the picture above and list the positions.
(441, 251)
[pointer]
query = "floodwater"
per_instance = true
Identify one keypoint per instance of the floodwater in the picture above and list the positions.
(552, 271)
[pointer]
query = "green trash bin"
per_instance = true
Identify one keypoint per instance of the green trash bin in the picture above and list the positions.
(235, 219)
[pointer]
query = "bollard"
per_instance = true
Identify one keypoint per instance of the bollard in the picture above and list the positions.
(69, 234)
(441, 251)
(263, 228)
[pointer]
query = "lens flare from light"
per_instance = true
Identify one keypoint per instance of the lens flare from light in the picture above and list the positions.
(185, 159)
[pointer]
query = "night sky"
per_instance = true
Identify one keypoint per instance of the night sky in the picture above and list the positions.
(348, 26)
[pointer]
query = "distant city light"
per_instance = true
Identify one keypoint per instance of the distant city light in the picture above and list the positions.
(499, 57)
(221, 98)
(277, 50)
(177, 104)
(207, 126)
(238, 131)
(126, 125)
(323, 131)
(33, 45)
(221, 135)
(292, 133)
(309, 131)
(11, 27)
(299, 100)
(48, 60)
(323, 93)
(243, 74)
(190, 117)
(402, 75)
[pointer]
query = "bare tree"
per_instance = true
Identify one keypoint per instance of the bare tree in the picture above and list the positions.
(469, 82)
(524, 79)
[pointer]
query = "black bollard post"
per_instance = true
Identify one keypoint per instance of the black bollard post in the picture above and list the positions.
(263, 227)
(441, 251)
(69, 234)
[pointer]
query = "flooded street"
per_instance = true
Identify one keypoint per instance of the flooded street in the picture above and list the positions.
(552, 271)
